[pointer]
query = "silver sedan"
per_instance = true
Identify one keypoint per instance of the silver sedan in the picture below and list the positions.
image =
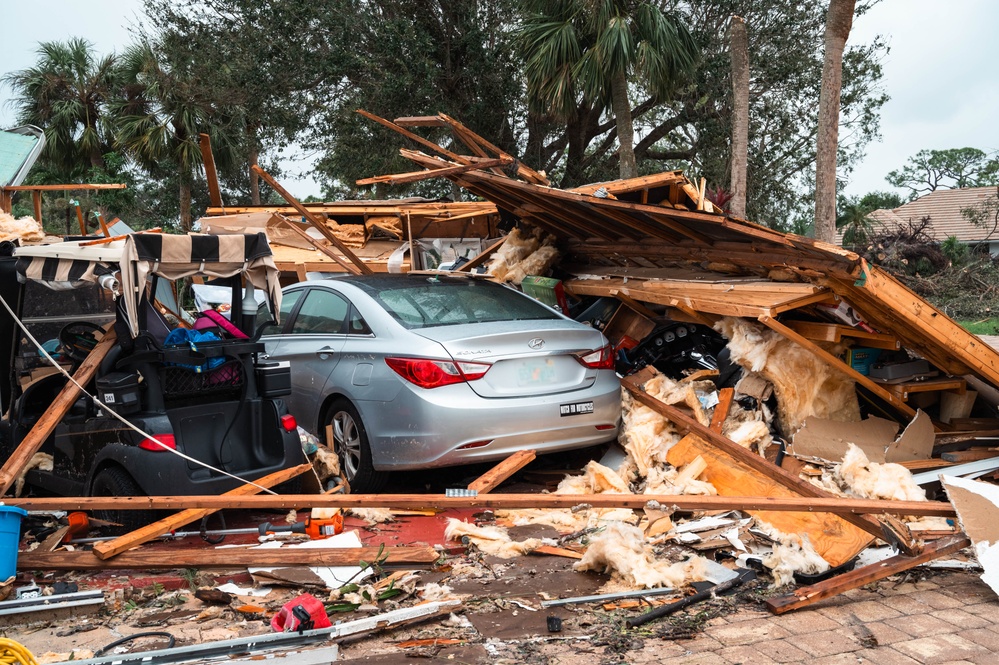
(420, 371)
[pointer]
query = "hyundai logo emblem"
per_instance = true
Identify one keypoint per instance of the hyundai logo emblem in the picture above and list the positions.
(536, 343)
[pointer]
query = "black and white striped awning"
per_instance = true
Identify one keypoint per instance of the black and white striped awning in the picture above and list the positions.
(61, 274)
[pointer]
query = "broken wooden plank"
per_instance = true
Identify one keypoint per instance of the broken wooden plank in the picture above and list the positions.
(417, 176)
(343, 263)
(482, 256)
(492, 479)
(317, 223)
(557, 551)
(211, 174)
(200, 557)
(413, 137)
(824, 503)
(110, 548)
(687, 424)
(808, 595)
(725, 396)
(835, 332)
(39, 433)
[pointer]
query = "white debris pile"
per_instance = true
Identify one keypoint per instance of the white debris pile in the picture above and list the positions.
(622, 551)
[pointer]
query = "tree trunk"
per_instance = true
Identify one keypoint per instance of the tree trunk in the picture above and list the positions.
(839, 20)
(625, 129)
(254, 156)
(185, 202)
(739, 45)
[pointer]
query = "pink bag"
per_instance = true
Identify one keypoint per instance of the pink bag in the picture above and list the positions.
(210, 318)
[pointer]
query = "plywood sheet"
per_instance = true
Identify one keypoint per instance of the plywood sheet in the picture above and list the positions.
(835, 539)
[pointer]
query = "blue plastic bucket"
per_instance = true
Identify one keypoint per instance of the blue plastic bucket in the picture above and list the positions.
(10, 537)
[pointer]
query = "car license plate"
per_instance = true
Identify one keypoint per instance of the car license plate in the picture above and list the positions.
(577, 409)
(533, 372)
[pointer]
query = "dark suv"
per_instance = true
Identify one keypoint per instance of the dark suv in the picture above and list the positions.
(210, 401)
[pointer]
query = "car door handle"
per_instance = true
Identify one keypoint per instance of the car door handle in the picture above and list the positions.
(325, 351)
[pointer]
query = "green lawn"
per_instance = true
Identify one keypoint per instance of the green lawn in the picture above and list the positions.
(981, 326)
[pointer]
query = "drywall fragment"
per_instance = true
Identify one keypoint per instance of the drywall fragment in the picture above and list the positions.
(977, 506)
(622, 551)
(805, 385)
(876, 437)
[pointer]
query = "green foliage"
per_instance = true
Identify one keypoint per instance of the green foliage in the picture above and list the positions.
(881, 200)
(852, 219)
(955, 251)
(929, 170)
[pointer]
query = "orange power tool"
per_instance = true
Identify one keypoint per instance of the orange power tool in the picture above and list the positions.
(314, 529)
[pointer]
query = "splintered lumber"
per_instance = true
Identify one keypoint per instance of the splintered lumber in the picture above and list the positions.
(823, 504)
(53, 415)
(482, 257)
(492, 479)
(417, 176)
(319, 246)
(725, 396)
(749, 462)
(854, 579)
(199, 557)
(149, 532)
(319, 224)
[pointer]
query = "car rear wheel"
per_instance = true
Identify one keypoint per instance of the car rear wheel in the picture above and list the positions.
(114, 481)
(350, 443)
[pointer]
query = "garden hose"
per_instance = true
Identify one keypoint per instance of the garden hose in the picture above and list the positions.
(15, 653)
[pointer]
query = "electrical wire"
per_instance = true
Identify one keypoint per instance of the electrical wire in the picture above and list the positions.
(112, 412)
(15, 653)
(153, 633)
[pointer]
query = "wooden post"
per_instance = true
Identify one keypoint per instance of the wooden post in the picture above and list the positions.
(36, 199)
(79, 218)
(110, 548)
(361, 267)
(41, 430)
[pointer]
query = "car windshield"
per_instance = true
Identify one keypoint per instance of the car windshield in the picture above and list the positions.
(430, 302)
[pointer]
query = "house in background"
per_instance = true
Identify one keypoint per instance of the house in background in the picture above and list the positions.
(946, 210)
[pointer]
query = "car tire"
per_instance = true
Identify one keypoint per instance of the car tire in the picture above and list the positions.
(115, 481)
(350, 443)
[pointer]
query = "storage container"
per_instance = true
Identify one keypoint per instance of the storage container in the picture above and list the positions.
(120, 391)
(274, 379)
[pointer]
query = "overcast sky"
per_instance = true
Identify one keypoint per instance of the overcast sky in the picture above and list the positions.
(941, 72)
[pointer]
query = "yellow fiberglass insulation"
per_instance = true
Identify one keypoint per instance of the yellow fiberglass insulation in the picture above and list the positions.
(804, 384)
(668, 480)
(372, 515)
(537, 263)
(595, 479)
(490, 539)
(791, 554)
(518, 246)
(869, 480)
(25, 229)
(621, 550)
(752, 434)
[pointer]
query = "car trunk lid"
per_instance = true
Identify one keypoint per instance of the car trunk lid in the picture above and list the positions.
(525, 360)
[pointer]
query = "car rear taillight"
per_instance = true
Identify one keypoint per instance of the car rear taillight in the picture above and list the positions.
(602, 358)
(289, 423)
(167, 440)
(427, 373)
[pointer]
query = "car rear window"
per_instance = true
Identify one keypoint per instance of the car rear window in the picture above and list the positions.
(431, 302)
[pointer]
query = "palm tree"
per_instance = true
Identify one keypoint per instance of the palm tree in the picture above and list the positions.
(160, 112)
(66, 94)
(590, 50)
(855, 223)
(839, 20)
